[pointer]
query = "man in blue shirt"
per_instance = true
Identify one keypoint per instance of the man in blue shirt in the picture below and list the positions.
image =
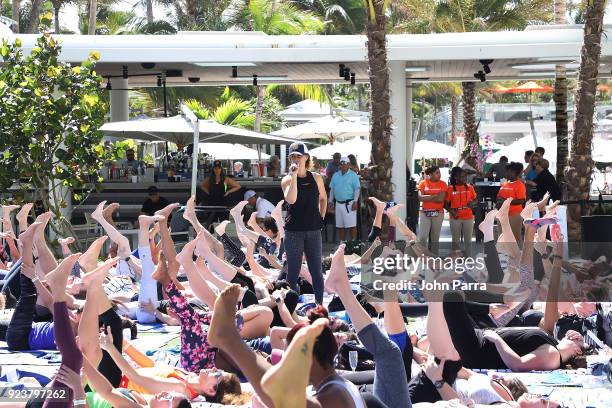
(344, 192)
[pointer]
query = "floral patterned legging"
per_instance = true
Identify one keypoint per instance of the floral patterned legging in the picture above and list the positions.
(196, 353)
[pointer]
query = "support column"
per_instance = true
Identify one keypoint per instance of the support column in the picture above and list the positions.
(409, 137)
(119, 106)
(283, 159)
(397, 90)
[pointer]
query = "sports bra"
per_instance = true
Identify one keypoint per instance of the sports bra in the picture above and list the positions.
(478, 388)
(350, 388)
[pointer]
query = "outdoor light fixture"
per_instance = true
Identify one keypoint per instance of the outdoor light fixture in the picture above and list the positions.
(347, 74)
(353, 80)
(109, 87)
(254, 79)
(159, 80)
(341, 70)
(124, 74)
(480, 75)
(193, 80)
(234, 71)
(485, 65)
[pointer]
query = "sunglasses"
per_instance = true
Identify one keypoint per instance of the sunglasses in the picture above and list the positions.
(218, 377)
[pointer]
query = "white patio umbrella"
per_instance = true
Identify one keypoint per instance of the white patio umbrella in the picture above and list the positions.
(185, 129)
(335, 126)
(226, 151)
(434, 150)
(359, 147)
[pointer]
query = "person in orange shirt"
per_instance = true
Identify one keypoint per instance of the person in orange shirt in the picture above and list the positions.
(460, 198)
(515, 189)
(432, 192)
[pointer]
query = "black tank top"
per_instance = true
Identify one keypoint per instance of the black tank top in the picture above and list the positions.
(217, 192)
(304, 215)
(522, 341)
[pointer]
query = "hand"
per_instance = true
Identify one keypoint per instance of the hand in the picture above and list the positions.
(293, 169)
(354, 206)
(432, 370)
(492, 336)
(69, 377)
(106, 340)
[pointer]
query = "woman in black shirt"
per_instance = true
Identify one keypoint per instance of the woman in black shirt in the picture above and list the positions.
(306, 198)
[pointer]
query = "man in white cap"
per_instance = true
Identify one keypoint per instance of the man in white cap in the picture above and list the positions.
(344, 191)
(262, 206)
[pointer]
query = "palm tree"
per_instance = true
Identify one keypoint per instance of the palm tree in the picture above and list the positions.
(93, 10)
(232, 112)
(340, 16)
(15, 7)
(484, 15)
(276, 18)
(445, 89)
(578, 175)
(560, 98)
(380, 115)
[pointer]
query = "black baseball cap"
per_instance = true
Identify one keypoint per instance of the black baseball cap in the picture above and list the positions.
(298, 148)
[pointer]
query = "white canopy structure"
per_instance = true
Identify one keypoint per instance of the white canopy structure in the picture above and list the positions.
(178, 130)
(434, 150)
(337, 127)
(359, 147)
(185, 129)
(226, 151)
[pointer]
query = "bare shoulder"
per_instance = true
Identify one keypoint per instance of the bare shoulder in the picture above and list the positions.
(334, 396)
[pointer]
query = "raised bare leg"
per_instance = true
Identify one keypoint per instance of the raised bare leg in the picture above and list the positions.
(286, 382)
(224, 335)
(198, 284)
(45, 256)
(89, 259)
(58, 278)
(122, 242)
(22, 216)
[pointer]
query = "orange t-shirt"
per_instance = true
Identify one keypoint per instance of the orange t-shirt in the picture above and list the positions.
(515, 190)
(459, 197)
(427, 187)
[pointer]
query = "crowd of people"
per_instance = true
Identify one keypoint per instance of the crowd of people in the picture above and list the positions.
(256, 326)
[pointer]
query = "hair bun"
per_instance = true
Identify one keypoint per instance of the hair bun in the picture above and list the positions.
(316, 313)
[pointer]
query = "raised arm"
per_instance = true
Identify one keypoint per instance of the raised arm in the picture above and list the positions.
(105, 389)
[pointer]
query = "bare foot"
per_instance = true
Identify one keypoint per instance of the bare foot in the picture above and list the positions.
(107, 213)
(502, 213)
(528, 210)
(99, 274)
(220, 229)
(542, 203)
(237, 210)
(89, 259)
(286, 382)
(8, 209)
(337, 278)
(189, 212)
(145, 221)
(26, 238)
(186, 255)
(154, 231)
(167, 210)
(160, 273)
(392, 212)
(22, 215)
(222, 325)
(66, 241)
(377, 203)
(277, 212)
(58, 278)
(98, 213)
(487, 223)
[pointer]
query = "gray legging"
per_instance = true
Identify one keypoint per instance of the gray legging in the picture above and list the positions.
(298, 243)
(390, 381)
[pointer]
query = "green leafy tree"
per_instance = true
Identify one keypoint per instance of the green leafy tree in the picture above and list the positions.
(340, 16)
(50, 115)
